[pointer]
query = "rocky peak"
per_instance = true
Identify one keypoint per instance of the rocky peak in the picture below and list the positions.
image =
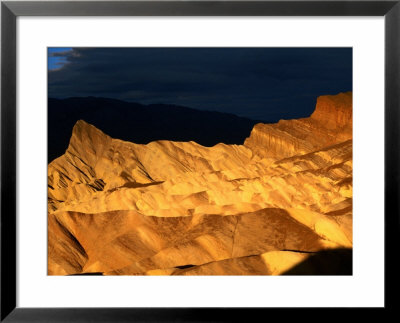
(334, 111)
(87, 141)
(330, 123)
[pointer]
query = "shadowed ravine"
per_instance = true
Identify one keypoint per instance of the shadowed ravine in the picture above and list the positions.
(281, 203)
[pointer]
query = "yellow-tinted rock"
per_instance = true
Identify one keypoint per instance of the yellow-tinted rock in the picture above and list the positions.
(180, 208)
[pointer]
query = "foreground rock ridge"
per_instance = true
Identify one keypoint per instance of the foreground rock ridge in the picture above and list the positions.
(179, 208)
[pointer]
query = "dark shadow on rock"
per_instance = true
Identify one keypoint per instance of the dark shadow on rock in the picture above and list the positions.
(134, 185)
(327, 262)
(185, 266)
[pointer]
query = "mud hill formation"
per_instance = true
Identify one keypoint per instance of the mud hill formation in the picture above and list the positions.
(179, 208)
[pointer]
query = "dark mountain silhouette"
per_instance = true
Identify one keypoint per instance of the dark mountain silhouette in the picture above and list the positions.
(142, 123)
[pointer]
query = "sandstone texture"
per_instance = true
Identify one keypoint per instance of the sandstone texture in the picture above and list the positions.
(179, 208)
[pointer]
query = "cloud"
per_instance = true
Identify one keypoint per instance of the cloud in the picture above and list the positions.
(254, 82)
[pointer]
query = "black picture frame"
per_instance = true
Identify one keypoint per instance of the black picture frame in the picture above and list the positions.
(10, 10)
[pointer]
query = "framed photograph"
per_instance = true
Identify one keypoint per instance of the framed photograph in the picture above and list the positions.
(195, 160)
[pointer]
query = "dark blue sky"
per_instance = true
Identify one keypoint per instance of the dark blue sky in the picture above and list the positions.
(260, 83)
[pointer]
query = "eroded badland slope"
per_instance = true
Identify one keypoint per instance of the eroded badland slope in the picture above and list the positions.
(180, 208)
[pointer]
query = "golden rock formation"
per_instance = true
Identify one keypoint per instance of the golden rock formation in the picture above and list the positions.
(178, 208)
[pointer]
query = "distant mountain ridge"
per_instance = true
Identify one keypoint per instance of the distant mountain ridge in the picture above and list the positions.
(142, 124)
